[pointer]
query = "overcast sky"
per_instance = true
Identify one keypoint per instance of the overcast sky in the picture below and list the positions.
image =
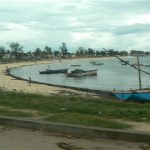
(117, 24)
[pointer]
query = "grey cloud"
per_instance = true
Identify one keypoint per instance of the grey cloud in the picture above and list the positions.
(50, 18)
(2, 28)
(133, 29)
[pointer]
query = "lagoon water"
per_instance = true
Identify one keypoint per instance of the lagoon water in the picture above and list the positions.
(109, 76)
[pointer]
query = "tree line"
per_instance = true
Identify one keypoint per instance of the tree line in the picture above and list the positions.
(17, 52)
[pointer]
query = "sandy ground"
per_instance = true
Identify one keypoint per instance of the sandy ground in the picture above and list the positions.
(12, 138)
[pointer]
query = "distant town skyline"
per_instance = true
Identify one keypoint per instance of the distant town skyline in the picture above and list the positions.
(116, 24)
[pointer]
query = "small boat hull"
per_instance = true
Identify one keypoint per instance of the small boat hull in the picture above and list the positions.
(81, 74)
(53, 71)
(96, 63)
(146, 65)
(133, 95)
(75, 65)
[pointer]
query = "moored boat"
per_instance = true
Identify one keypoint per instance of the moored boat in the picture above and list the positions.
(146, 65)
(137, 64)
(124, 61)
(136, 94)
(80, 73)
(96, 63)
(49, 71)
(75, 65)
(133, 95)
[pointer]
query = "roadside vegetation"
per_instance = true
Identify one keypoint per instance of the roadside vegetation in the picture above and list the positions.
(87, 111)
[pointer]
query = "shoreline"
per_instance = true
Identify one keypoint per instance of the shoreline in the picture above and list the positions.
(12, 83)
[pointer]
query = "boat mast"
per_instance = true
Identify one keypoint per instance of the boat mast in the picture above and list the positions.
(139, 73)
(138, 68)
(133, 66)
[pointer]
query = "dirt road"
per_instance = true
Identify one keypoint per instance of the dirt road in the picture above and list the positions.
(12, 138)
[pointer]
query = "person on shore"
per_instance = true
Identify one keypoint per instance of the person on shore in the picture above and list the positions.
(30, 80)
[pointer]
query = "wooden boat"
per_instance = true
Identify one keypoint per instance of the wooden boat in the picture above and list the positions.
(75, 65)
(137, 64)
(123, 63)
(135, 94)
(49, 71)
(92, 62)
(81, 73)
(147, 65)
(96, 63)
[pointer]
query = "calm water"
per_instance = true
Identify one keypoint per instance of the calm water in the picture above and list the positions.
(109, 76)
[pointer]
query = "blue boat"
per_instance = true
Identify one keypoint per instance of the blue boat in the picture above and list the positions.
(136, 94)
(133, 95)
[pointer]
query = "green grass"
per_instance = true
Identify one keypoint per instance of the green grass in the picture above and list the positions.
(7, 112)
(88, 120)
(77, 110)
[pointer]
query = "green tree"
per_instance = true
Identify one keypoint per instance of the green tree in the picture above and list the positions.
(103, 53)
(97, 53)
(64, 49)
(81, 51)
(37, 53)
(90, 52)
(123, 53)
(112, 52)
(16, 50)
(48, 49)
(44, 54)
(56, 53)
(2, 51)
(29, 55)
